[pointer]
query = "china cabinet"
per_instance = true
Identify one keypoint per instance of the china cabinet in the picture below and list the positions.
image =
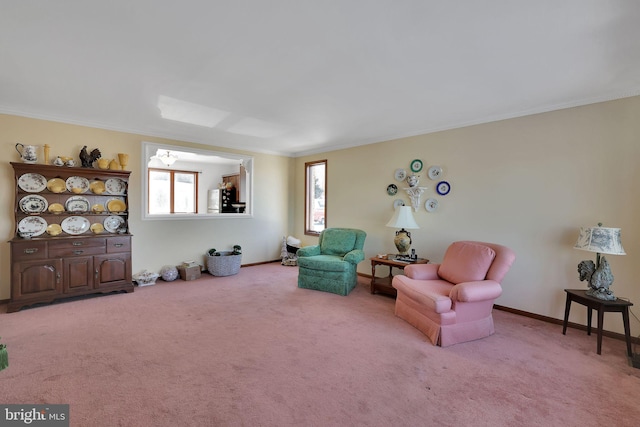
(71, 233)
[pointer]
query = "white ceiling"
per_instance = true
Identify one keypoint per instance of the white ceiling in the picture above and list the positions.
(300, 76)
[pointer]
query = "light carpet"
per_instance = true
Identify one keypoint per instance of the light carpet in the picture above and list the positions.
(254, 350)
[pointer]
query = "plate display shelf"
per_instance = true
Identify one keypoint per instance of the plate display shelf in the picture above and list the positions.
(59, 253)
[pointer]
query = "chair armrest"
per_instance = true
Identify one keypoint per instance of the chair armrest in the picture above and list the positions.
(309, 251)
(354, 257)
(422, 271)
(481, 290)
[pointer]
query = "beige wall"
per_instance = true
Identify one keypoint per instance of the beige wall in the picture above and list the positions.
(528, 183)
(155, 243)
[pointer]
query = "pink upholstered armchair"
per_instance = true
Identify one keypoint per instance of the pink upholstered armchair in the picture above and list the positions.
(452, 302)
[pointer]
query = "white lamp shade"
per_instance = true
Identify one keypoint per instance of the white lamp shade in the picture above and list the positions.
(402, 218)
(603, 240)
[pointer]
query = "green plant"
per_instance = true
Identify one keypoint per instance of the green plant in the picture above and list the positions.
(237, 250)
(4, 357)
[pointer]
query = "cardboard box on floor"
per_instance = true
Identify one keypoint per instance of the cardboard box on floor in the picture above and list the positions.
(189, 271)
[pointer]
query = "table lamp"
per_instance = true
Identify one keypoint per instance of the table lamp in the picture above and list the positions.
(402, 218)
(601, 240)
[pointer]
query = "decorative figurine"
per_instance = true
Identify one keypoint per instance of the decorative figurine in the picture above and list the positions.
(600, 279)
(88, 159)
(413, 180)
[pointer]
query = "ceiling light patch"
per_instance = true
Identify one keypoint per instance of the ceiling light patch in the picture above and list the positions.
(188, 112)
(258, 128)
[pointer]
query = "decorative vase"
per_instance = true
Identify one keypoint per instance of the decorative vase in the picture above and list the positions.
(169, 273)
(403, 241)
(124, 159)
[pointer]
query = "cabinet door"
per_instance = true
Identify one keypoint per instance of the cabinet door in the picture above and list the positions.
(36, 279)
(78, 274)
(113, 269)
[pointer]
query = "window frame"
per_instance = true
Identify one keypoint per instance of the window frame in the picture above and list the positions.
(309, 188)
(172, 173)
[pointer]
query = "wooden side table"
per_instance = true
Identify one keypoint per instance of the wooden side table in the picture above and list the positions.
(383, 284)
(580, 296)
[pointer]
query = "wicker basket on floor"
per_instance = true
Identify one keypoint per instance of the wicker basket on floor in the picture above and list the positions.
(225, 264)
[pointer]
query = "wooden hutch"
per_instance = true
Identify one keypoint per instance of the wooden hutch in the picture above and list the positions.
(71, 233)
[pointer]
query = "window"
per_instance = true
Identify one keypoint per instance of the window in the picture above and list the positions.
(173, 191)
(315, 211)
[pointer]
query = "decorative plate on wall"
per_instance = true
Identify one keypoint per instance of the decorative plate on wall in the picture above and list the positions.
(443, 188)
(397, 203)
(435, 172)
(416, 165)
(431, 205)
(392, 189)
(400, 174)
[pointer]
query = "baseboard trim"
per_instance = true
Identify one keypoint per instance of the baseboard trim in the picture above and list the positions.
(610, 334)
(261, 263)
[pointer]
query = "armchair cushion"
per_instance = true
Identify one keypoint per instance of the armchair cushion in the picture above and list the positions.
(466, 262)
(337, 241)
(325, 263)
(308, 251)
(476, 291)
(355, 256)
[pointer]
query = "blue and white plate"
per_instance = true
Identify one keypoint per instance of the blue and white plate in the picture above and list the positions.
(33, 204)
(443, 188)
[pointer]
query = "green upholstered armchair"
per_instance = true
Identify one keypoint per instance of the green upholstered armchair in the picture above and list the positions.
(330, 265)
